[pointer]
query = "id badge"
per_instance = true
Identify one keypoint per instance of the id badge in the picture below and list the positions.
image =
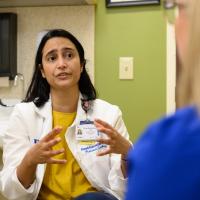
(87, 131)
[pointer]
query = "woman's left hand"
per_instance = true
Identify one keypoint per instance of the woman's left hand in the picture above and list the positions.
(115, 141)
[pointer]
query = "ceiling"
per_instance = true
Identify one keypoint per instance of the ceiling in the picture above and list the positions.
(20, 3)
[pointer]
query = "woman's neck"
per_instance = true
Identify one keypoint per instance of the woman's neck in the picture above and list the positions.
(65, 101)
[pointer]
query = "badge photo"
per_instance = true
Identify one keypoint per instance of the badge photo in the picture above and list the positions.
(86, 131)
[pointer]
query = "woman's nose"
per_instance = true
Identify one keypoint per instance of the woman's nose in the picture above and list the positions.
(61, 63)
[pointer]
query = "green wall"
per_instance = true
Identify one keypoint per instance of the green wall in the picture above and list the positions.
(139, 32)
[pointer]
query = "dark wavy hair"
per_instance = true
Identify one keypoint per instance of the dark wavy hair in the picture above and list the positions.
(39, 88)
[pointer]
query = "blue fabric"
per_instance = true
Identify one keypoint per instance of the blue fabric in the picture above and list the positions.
(165, 162)
(96, 196)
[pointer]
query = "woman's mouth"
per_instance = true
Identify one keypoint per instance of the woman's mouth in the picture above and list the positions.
(63, 75)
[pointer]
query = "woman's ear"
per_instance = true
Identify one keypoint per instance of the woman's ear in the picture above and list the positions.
(83, 65)
(42, 70)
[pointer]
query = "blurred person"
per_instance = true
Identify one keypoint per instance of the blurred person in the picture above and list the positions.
(49, 148)
(165, 161)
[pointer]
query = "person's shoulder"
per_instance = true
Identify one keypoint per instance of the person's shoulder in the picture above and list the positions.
(23, 110)
(167, 158)
(170, 131)
(102, 104)
(185, 112)
(28, 109)
(23, 106)
(182, 117)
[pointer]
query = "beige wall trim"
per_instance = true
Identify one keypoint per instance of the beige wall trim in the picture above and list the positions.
(171, 69)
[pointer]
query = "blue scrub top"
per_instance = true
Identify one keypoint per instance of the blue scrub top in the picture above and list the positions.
(165, 162)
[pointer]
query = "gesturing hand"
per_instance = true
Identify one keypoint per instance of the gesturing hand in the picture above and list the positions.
(42, 151)
(115, 141)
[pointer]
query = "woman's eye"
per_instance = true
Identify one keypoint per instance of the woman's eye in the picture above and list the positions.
(51, 58)
(68, 55)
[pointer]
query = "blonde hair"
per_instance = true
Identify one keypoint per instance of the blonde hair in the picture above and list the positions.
(189, 80)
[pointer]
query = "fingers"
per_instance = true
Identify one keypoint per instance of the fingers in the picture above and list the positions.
(44, 151)
(104, 141)
(56, 161)
(52, 134)
(104, 152)
(105, 128)
(48, 157)
(99, 122)
(108, 132)
(52, 142)
(52, 153)
(116, 142)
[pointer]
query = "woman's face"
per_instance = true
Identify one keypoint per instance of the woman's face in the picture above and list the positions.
(61, 63)
(181, 27)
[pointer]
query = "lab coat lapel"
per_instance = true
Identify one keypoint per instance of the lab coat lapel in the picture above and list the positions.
(46, 114)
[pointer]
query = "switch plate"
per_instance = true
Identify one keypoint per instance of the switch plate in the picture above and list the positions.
(126, 68)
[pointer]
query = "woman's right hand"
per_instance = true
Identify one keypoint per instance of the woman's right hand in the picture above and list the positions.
(39, 153)
(42, 151)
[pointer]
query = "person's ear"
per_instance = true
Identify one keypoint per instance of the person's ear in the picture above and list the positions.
(83, 65)
(42, 70)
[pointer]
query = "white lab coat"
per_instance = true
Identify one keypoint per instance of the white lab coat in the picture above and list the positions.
(28, 122)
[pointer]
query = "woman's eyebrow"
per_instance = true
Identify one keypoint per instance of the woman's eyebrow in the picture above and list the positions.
(51, 52)
(67, 49)
(63, 49)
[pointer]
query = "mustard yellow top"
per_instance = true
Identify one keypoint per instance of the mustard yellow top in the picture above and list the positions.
(64, 181)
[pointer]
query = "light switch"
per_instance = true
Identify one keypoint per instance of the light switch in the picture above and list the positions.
(126, 68)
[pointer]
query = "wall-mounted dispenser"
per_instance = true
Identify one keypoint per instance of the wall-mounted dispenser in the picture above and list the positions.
(8, 45)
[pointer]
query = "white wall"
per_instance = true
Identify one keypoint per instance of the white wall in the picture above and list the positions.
(79, 20)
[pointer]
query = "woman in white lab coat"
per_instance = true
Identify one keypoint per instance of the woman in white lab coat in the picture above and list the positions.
(50, 148)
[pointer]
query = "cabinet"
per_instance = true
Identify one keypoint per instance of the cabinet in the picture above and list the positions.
(8, 45)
